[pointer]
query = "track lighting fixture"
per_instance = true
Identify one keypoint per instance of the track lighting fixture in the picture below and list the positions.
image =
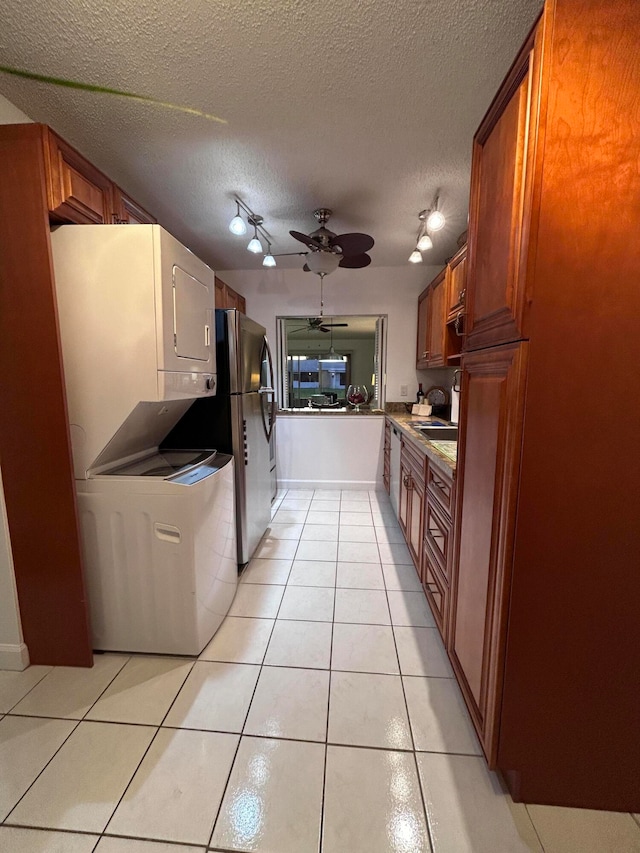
(435, 219)
(255, 245)
(237, 225)
(268, 260)
(430, 220)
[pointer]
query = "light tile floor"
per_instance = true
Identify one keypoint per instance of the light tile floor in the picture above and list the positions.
(323, 716)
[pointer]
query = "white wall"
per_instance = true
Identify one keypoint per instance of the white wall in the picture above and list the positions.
(10, 114)
(13, 652)
(339, 451)
(374, 290)
(330, 451)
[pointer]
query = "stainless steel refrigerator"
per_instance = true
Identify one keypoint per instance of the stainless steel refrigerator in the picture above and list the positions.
(240, 420)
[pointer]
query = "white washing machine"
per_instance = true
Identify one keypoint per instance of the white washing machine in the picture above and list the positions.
(159, 540)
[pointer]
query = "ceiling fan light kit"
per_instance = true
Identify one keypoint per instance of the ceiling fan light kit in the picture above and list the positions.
(328, 250)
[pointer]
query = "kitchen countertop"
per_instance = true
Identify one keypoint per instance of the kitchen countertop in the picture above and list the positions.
(313, 411)
(429, 448)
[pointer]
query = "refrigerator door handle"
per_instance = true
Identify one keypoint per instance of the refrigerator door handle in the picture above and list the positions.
(268, 419)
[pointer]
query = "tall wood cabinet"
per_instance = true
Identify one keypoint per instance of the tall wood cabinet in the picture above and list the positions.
(545, 635)
(43, 180)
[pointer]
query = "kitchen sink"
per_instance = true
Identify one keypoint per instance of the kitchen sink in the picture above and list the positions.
(436, 433)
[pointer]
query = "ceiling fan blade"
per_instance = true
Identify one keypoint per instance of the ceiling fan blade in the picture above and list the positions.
(308, 241)
(354, 262)
(334, 325)
(352, 244)
(324, 329)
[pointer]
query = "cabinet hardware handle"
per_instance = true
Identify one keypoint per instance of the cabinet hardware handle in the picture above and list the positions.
(463, 295)
(458, 324)
(425, 354)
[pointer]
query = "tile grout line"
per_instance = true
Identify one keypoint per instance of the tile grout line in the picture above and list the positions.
(326, 745)
(241, 734)
(67, 719)
(415, 757)
(535, 828)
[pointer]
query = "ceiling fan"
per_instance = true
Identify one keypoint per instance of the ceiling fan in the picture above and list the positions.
(317, 324)
(329, 250)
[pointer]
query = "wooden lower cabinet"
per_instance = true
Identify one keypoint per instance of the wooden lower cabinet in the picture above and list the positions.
(386, 469)
(412, 499)
(493, 387)
(436, 589)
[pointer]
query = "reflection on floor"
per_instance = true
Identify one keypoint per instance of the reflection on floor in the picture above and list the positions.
(322, 717)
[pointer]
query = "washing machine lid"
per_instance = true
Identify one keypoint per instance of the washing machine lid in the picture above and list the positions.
(165, 464)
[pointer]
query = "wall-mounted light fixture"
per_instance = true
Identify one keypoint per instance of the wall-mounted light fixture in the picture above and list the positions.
(432, 220)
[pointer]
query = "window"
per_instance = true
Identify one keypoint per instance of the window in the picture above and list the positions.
(319, 359)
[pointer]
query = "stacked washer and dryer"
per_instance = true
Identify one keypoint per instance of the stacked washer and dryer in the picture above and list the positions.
(136, 315)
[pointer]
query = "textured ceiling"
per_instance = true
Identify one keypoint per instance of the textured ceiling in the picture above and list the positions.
(367, 108)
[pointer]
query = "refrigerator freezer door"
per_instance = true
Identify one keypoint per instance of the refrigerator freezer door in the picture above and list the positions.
(253, 473)
(246, 340)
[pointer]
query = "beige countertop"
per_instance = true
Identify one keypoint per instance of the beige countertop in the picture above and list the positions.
(326, 411)
(429, 448)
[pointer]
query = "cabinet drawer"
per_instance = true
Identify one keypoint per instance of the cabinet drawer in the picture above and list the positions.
(441, 487)
(437, 590)
(414, 459)
(437, 532)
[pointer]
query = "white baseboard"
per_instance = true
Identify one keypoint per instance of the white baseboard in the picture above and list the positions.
(14, 657)
(353, 485)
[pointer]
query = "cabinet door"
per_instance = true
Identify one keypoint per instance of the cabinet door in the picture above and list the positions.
(416, 515)
(403, 503)
(422, 348)
(386, 468)
(126, 210)
(493, 385)
(437, 321)
(457, 285)
(500, 208)
(76, 191)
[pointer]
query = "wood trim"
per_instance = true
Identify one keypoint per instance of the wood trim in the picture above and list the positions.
(35, 447)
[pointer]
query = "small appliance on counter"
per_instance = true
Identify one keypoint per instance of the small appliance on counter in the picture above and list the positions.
(135, 311)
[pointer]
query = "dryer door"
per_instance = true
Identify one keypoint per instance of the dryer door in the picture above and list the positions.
(191, 316)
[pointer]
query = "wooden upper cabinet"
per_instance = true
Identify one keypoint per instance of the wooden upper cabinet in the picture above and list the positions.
(76, 191)
(493, 387)
(431, 324)
(437, 320)
(227, 297)
(422, 350)
(457, 285)
(500, 207)
(127, 211)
